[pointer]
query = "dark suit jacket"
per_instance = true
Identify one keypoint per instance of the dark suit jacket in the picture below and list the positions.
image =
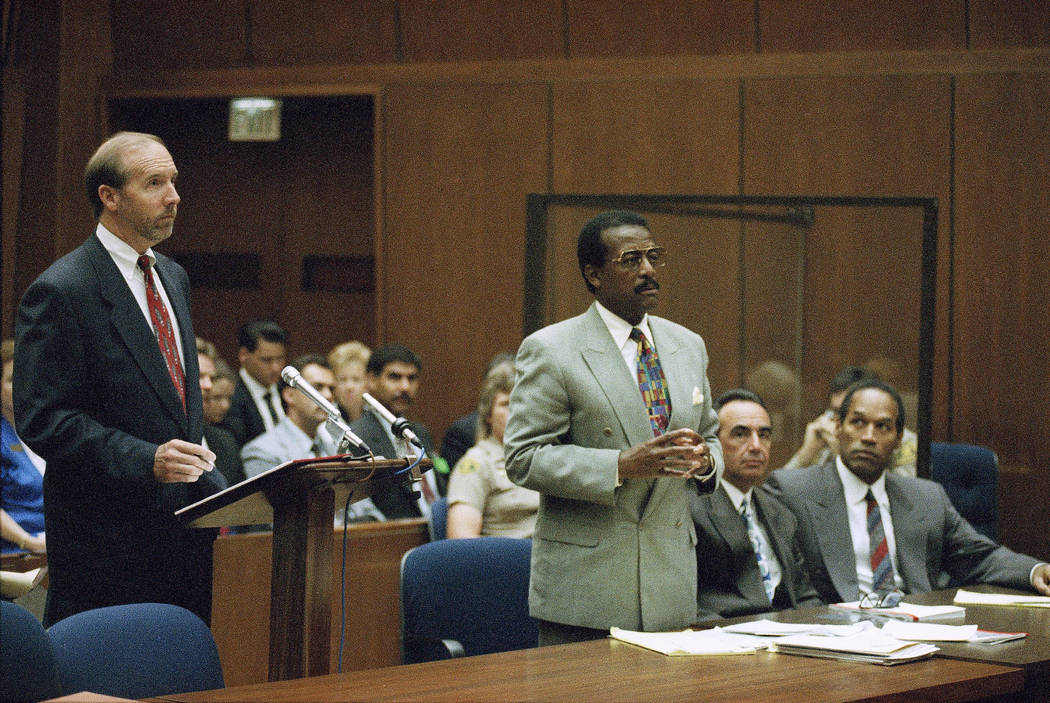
(459, 438)
(95, 399)
(243, 420)
(394, 500)
(932, 539)
(728, 580)
(227, 453)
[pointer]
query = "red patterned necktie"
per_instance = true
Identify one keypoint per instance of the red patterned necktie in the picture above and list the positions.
(652, 383)
(158, 313)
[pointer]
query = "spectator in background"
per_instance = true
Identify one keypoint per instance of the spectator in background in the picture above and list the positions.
(348, 361)
(393, 380)
(819, 445)
(22, 484)
(300, 433)
(462, 433)
(217, 439)
(218, 402)
(482, 499)
(256, 404)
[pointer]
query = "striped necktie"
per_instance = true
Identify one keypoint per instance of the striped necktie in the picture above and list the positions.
(881, 565)
(652, 383)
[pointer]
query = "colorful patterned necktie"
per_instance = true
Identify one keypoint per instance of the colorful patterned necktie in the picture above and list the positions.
(652, 383)
(881, 566)
(756, 544)
(158, 313)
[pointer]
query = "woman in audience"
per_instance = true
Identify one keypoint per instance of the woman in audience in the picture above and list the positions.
(482, 499)
(22, 484)
(217, 404)
(348, 362)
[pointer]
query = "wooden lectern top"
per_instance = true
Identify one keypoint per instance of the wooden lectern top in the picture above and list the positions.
(250, 501)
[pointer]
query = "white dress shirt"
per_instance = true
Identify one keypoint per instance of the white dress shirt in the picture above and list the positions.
(737, 499)
(127, 261)
(855, 491)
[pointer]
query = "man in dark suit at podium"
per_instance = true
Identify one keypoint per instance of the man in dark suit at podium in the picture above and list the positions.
(105, 389)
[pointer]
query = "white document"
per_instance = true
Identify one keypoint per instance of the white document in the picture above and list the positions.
(691, 642)
(973, 598)
(771, 628)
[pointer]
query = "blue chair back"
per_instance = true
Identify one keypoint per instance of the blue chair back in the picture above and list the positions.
(970, 476)
(27, 660)
(438, 519)
(142, 650)
(471, 591)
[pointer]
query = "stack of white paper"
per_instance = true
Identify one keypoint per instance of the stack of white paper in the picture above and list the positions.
(908, 611)
(870, 647)
(691, 642)
(973, 598)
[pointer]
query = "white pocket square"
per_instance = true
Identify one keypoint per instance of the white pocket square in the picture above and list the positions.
(698, 397)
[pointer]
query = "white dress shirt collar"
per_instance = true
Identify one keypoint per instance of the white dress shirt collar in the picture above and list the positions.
(620, 329)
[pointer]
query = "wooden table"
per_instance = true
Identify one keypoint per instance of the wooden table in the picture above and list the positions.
(1031, 654)
(605, 671)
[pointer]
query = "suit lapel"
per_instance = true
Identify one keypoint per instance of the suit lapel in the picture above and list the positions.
(731, 527)
(831, 527)
(620, 387)
(131, 325)
(909, 530)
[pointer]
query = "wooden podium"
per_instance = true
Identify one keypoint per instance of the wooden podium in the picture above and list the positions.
(300, 499)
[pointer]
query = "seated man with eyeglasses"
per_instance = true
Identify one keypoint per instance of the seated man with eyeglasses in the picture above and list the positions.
(866, 531)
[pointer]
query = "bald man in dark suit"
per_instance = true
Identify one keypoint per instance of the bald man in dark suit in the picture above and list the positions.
(104, 348)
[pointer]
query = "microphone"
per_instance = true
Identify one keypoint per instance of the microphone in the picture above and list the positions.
(295, 379)
(399, 425)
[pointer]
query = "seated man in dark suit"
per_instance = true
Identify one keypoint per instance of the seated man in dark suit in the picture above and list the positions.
(865, 530)
(746, 563)
(393, 379)
(256, 404)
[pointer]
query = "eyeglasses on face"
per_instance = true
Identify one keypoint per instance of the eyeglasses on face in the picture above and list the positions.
(885, 599)
(632, 260)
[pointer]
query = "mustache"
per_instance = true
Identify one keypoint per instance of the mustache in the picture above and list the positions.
(648, 283)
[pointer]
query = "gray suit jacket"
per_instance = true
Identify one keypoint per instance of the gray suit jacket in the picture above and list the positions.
(604, 555)
(394, 499)
(729, 582)
(932, 539)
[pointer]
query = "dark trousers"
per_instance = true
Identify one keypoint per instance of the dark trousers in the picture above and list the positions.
(552, 633)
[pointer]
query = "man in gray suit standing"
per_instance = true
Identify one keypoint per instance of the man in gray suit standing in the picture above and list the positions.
(611, 421)
(868, 531)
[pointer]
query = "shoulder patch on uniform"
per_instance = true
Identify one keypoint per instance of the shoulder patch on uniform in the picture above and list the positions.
(467, 466)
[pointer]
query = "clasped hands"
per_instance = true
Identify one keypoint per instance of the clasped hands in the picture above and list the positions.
(681, 453)
(178, 461)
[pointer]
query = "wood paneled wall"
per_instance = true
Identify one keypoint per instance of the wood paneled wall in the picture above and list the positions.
(480, 102)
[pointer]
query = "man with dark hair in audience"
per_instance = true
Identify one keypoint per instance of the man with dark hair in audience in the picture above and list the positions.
(865, 530)
(393, 379)
(256, 404)
(218, 439)
(819, 444)
(747, 552)
(106, 390)
(611, 422)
